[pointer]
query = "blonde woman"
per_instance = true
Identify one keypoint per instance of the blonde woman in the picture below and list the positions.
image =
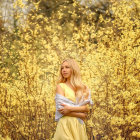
(72, 103)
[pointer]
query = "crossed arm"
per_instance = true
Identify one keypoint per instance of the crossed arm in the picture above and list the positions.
(77, 114)
(80, 112)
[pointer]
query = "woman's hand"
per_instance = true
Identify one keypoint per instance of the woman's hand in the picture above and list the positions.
(65, 110)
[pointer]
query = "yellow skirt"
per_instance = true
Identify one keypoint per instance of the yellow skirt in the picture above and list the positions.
(69, 128)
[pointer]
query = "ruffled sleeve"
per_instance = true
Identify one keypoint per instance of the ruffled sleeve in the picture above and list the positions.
(90, 103)
(90, 99)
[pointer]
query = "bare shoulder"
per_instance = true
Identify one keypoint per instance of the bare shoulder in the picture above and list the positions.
(86, 88)
(60, 90)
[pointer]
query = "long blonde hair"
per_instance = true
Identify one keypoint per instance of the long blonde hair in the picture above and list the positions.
(75, 80)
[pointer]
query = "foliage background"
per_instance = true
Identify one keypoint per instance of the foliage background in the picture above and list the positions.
(104, 39)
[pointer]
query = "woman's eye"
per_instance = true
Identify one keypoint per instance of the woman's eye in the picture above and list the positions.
(65, 67)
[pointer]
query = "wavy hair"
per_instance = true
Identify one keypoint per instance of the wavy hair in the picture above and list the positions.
(75, 80)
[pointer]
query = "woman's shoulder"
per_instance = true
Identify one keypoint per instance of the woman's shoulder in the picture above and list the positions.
(86, 87)
(60, 89)
(60, 85)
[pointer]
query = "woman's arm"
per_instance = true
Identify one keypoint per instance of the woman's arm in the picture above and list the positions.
(83, 108)
(77, 114)
(67, 109)
(59, 90)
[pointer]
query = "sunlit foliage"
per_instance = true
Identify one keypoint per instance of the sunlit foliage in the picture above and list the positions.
(106, 47)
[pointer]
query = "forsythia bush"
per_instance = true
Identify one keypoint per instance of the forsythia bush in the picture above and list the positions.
(108, 52)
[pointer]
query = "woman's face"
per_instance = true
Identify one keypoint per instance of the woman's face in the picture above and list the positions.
(65, 70)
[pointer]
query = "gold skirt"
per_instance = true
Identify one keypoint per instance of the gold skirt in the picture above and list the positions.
(69, 128)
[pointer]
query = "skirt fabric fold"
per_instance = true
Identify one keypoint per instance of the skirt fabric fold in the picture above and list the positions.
(69, 128)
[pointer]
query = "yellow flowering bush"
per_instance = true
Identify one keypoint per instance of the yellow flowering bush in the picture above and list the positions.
(106, 47)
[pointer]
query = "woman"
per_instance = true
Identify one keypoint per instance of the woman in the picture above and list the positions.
(70, 89)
